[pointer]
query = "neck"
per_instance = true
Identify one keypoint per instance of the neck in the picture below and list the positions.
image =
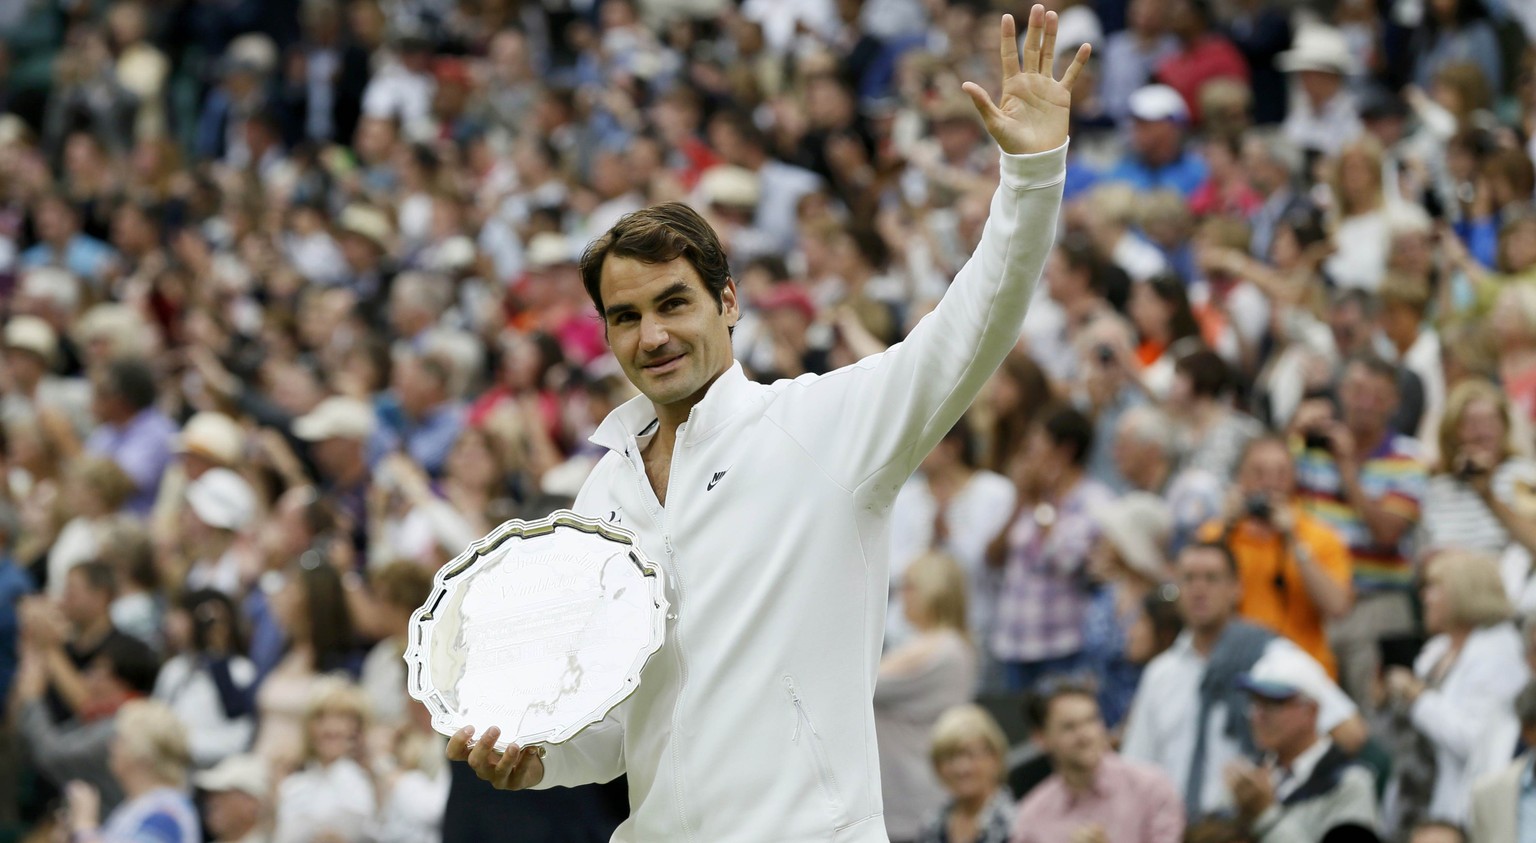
(950, 477)
(1064, 481)
(1288, 756)
(1205, 638)
(1367, 441)
(1078, 779)
(972, 805)
(1459, 636)
(93, 634)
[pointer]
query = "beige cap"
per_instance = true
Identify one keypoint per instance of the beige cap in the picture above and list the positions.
(731, 187)
(548, 249)
(245, 773)
(221, 498)
(1139, 526)
(337, 417)
(1318, 47)
(30, 333)
(367, 222)
(214, 436)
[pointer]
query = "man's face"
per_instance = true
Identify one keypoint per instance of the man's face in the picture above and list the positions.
(1320, 85)
(1368, 399)
(1281, 724)
(1208, 590)
(81, 603)
(664, 327)
(1267, 471)
(231, 814)
(1437, 834)
(1156, 142)
(55, 221)
(1074, 734)
(1131, 454)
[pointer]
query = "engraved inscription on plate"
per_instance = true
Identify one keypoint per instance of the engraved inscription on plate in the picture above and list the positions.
(540, 629)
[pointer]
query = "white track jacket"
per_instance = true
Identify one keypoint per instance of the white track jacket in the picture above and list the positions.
(754, 721)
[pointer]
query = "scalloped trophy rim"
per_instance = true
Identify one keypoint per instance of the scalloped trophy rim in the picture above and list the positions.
(447, 720)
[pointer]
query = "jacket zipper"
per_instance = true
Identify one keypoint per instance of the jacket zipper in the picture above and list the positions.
(824, 775)
(659, 513)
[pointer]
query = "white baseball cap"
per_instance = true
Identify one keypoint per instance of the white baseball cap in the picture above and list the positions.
(337, 417)
(1139, 526)
(30, 333)
(221, 498)
(214, 436)
(1284, 673)
(1158, 102)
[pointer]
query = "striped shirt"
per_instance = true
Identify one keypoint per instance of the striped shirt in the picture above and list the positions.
(1394, 477)
(1456, 517)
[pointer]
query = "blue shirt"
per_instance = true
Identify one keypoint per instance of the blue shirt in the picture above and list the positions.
(427, 440)
(142, 448)
(83, 256)
(164, 815)
(1185, 174)
(14, 585)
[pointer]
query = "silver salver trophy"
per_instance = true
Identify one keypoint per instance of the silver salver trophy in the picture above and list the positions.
(540, 629)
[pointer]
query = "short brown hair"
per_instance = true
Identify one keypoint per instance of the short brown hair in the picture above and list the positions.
(659, 234)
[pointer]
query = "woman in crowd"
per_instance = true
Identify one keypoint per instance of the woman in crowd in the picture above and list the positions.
(209, 684)
(1214, 434)
(331, 796)
(311, 606)
(149, 758)
(1360, 235)
(1014, 397)
(96, 490)
(969, 752)
(138, 608)
(1476, 500)
(1513, 326)
(1129, 561)
(1471, 669)
(1159, 308)
(935, 669)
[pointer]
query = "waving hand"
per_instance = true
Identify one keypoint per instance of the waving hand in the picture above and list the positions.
(1034, 111)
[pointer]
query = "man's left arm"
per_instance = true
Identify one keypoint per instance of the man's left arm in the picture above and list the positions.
(1392, 514)
(886, 412)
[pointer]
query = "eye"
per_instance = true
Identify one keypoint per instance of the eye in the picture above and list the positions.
(674, 304)
(622, 318)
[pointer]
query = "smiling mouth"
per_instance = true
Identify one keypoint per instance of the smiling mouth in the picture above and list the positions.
(663, 364)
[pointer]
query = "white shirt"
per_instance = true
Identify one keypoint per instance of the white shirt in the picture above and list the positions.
(1327, 129)
(337, 798)
(1140, 260)
(413, 809)
(1286, 782)
(1162, 726)
(188, 689)
(1361, 258)
(979, 512)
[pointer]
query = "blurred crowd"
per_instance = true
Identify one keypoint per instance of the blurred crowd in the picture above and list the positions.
(1236, 546)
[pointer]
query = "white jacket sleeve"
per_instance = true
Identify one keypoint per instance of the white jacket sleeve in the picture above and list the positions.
(877, 419)
(594, 756)
(1490, 678)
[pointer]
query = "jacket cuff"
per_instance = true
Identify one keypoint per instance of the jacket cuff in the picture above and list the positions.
(1035, 169)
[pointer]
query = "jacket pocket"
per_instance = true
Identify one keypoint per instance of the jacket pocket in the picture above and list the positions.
(805, 735)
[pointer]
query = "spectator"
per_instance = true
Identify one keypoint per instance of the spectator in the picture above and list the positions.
(1367, 484)
(1294, 569)
(1129, 562)
(220, 505)
(1324, 118)
(418, 415)
(1093, 794)
(1204, 55)
(919, 680)
(1360, 235)
(336, 432)
(208, 440)
(1437, 831)
(79, 748)
(149, 760)
(136, 609)
(131, 431)
(969, 754)
(1495, 811)
(31, 352)
(1159, 159)
(61, 243)
(1189, 718)
(1513, 323)
(1307, 787)
(1159, 309)
(97, 490)
(208, 684)
(331, 794)
(70, 634)
(1472, 502)
(1415, 347)
(236, 794)
(1456, 31)
(401, 588)
(1073, 278)
(1131, 55)
(954, 506)
(1043, 554)
(1473, 667)
(1213, 434)
(1146, 455)
(1014, 398)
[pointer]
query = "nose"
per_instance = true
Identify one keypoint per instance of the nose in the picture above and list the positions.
(652, 334)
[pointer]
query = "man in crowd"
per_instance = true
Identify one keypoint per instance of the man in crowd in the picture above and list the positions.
(130, 430)
(1294, 569)
(1189, 716)
(1146, 453)
(1093, 795)
(235, 798)
(1500, 810)
(1306, 786)
(1365, 482)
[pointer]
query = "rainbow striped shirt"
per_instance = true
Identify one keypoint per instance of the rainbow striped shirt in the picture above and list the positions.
(1395, 477)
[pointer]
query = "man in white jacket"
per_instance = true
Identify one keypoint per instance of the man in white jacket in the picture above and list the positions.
(769, 507)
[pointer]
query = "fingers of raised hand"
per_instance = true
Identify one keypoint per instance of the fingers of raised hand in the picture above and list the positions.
(1078, 62)
(1048, 46)
(1034, 38)
(1009, 47)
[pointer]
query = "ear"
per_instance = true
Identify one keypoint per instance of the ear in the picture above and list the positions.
(728, 304)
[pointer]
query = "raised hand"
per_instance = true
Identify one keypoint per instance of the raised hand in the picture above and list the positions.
(1034, 111)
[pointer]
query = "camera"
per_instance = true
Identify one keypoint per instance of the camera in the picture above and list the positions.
(1106, 354)
(1257, 507)
(1467, 469)
(1315, 440)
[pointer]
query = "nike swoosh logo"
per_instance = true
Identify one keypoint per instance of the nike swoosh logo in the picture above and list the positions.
(718, 475)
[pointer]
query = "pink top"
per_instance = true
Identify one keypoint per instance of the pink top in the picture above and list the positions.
(1134, 803)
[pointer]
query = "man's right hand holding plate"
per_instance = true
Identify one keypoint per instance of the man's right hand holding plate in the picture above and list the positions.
(517, 768)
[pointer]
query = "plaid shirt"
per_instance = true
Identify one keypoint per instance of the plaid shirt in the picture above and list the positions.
(1044, 599)
(991, 827)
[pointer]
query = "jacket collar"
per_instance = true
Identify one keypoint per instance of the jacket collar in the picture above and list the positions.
(728, 394)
